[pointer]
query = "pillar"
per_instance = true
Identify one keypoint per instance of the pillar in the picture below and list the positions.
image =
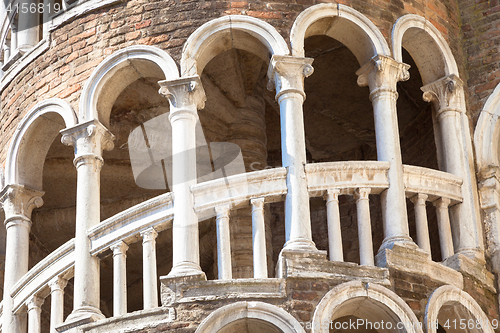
(119, 278)
(150, 283)
(259, 239)
(186, 96)
(443, 218)
(223, 243)
(364, 227)
(449, 104)
(27, 25)
(287, 74)
(333, 221)
(34, 304)
(421, 224)
(57, 286)
(18, 202)
(89, 140)
(381, 74)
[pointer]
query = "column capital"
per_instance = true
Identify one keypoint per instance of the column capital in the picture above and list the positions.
(419, 199)
(446, 93)
(119, 248)
(362, 193)
(222, 211)
(287, 73)
(442, 203)
(34, 302)
(332, 194)
(257, 203)
(57, 284)
(18, 202)
(89, 139)
(382, 73)
(148, 235)
(185, 94)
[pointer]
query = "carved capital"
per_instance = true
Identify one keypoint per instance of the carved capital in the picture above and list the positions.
(18, 202)
(442, 203)
(34, 303)
(446, 92)
(382, 73)
(119, 248)
(57, 284)
(257, 204)
(89, 140)
(419, 199)
(149, 235)
(222, 211)
(287, 73)
(332, 194)
(362, 193)
(184, 94)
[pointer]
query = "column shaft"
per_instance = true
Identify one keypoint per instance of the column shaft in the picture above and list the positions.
(57, 286)
(259, 239)
(445, 237)
(364, 227)
(119, 278)
(334, 229)
(421, 222)
(149, 268)
(223, 243)
(27, 24)
(34, 314)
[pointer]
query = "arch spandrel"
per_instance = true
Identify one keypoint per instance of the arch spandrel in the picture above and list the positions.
(342, 23)
(32, 140)
(426, 45)
(116, 72)
(219, 35)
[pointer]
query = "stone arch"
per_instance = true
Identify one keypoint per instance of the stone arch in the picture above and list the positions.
(32, 140)
(459, 304)
(219, 35)
(426, 46)
(116, 72)
(342, 23)
(260, 311)
(367, 301)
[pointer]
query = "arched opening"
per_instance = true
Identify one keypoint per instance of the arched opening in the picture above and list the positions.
(248, 325)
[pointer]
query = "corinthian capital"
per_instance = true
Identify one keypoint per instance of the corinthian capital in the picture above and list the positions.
(382, 73)
(287, 73)
(445, 92)
(186, 93)
(89, 139)
(18, 202)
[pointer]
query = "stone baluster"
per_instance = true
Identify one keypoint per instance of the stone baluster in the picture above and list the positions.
(186, 96)
(34, 304)
(18, 202)
(149, 268)
(89, 140)
(453, 125)
(421, 224)
(333, 221)
(223, 243)
(57, 286)
(443, 218)
(119, 278)
(381, 74)
(259, 239)
(27, 25)
(287, 74)
(364, 227)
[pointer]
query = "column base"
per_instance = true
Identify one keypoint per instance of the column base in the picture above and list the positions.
(185, 268)
(404, 241)
(398, 244)
(298, 255)
(81, 316)
(300, 244)
(172, 287)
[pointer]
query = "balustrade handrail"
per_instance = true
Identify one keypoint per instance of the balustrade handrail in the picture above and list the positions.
(58, 263)
(434, 183)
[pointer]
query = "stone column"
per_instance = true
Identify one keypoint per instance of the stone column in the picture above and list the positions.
(421, 222)
(150, 283)
(89, 140)
(119, 278)
(27, 25)
(334, 228)
(364, 227)
(223, 243)
(34, 304)
(445, 238)
(448, 98)
(287, 74)
(57, 286)
(381, 74)
(259, 239)
(186, 96)
(18, 202)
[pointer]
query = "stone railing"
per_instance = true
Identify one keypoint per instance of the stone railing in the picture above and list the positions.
(217, 198)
